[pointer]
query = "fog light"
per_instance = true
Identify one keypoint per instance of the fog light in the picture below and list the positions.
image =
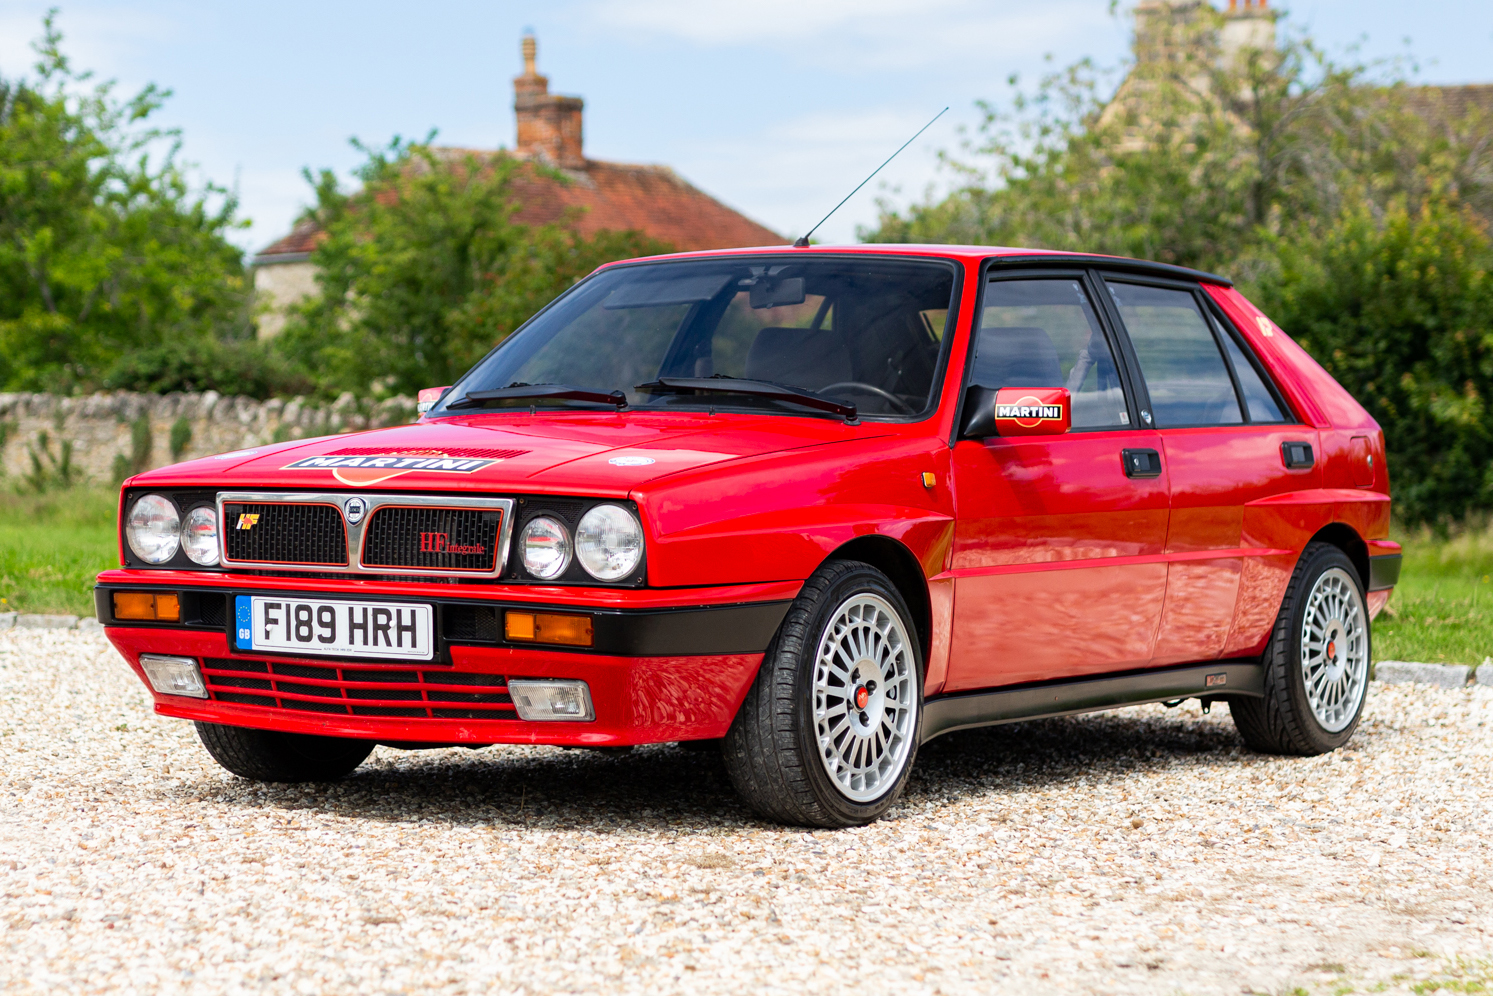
(174, 675)
(548, 627)
(539, 699)
(147, 605)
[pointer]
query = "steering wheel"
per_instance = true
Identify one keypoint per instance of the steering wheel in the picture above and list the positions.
(898, 405)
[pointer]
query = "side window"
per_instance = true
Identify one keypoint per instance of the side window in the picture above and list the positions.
(1185, 371)
(1258, 400)
(1044, 333)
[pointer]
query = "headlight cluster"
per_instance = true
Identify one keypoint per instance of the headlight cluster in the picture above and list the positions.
(155, 531)
(608, 543)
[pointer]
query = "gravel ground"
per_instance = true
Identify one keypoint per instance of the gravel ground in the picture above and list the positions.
(1139, 851)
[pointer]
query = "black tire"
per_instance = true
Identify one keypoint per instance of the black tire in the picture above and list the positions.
(1283, 722)
(268, 756)
(772, 750)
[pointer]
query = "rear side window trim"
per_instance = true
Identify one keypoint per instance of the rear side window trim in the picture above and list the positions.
(1226, 327)
(1219, 326)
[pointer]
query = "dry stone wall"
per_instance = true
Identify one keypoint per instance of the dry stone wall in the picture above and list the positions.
(103, 437)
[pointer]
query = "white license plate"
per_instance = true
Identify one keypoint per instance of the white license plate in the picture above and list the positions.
(327, 628)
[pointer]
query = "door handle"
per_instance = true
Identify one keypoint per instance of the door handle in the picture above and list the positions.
(1141, 463)
(1297, 456)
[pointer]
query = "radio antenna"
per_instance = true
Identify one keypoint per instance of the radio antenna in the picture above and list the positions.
(803, 240)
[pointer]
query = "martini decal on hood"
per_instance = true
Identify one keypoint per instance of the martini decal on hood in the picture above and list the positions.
(360, 469)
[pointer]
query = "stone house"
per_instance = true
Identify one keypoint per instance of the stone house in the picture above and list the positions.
(1168, 34)
(606, 195)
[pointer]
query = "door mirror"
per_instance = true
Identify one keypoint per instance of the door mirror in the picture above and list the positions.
(1017, 411)
(428, 396)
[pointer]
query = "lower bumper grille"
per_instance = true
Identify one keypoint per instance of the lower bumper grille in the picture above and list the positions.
(359, 690)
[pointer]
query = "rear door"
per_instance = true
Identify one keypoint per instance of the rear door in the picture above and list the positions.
(1224, 429)
(1058, 555)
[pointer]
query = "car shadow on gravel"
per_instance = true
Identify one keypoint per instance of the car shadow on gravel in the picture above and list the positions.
(665, 786)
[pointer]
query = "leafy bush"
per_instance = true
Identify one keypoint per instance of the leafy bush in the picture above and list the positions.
(104, 247)
(1399, 309)
(244, 367)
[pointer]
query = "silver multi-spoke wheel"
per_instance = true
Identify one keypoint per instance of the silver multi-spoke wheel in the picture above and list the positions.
(865, 700)
(1334, 650)
(841, 680)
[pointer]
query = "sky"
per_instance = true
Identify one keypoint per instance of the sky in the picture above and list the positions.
(778, 108)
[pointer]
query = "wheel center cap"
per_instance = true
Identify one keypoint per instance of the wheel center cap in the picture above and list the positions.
(862, 696)
(1330, 657)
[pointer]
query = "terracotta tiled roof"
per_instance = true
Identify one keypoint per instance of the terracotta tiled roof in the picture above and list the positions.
(301, 240)
(652, 199)
(603, 195)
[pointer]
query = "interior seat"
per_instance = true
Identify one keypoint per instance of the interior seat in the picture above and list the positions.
(809, 358)
(1016, 356)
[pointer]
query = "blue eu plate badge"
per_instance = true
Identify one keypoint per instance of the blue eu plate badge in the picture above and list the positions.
(243, 621)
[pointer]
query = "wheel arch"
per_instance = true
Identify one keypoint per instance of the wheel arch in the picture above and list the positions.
(901, 567)
(1346, 538)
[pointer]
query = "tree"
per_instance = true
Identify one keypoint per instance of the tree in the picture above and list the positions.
(1199, 151)
(105, 249)
(1399, 309)
(422, 270)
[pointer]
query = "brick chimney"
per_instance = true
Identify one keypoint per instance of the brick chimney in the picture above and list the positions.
(549, 125)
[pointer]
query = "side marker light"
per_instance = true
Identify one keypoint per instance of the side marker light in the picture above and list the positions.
(147, 606)
(549, 627)
(929, 480)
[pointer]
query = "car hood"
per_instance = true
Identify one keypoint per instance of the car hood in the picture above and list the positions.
(569, 452)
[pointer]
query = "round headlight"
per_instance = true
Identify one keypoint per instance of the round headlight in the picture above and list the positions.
(609, 542)
(153, 529)
(199, 536)
(546, 548)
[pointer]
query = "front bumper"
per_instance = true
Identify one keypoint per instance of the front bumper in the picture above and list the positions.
(657, 673)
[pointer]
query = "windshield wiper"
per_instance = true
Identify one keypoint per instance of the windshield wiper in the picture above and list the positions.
(757, 388)
(519, 390)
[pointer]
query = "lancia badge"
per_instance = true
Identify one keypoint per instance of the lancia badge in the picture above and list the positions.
(354, 510)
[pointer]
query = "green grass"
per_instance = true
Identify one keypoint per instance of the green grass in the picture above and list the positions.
(52, 546)
(1442, 609)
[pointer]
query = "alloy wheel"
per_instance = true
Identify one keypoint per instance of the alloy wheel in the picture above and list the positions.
(1334, 650)
(864, 698)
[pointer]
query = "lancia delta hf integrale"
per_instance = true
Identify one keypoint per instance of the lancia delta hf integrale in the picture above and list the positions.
(819, 505)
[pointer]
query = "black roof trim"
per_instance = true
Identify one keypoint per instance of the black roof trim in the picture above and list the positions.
(1122, 263)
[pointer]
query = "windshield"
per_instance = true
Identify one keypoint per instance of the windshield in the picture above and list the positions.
(861, 331)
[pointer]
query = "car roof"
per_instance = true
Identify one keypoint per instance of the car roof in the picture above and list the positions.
(963, 253)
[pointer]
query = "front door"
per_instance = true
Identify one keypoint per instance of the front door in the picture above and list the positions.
(1058, 553)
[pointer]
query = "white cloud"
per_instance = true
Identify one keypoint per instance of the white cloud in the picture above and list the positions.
(865, 34)
(108, 42)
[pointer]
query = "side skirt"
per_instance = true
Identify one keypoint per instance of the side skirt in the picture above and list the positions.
(1069, 698)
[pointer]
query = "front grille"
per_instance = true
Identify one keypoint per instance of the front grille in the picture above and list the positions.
(432, 538)
(284, 533)
(361, 690)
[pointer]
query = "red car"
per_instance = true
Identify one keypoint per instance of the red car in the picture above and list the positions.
(817, 504)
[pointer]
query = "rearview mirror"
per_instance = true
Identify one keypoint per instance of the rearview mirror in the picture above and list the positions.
(1017, 411)
(428, 396)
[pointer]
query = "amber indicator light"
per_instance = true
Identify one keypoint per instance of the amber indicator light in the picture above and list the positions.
(548, 627)
(146, 605)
